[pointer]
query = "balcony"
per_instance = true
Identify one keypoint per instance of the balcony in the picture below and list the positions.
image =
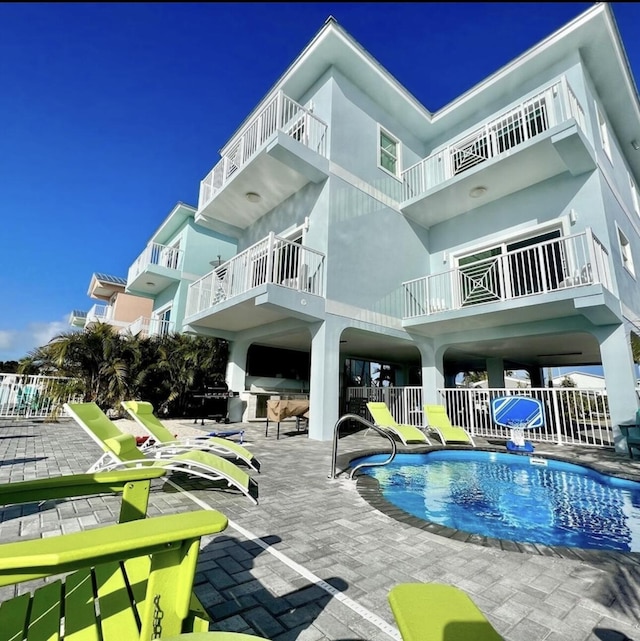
(146, 327)
(100, 314)
(537, 139)
(278, 152)
(77, 318)
(562, 277)
(270, 281)
(157, 267)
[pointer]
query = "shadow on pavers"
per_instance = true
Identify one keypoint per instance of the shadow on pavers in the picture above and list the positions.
(237, 601)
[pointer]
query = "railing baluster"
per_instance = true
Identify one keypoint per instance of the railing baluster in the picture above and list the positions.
(504, 131)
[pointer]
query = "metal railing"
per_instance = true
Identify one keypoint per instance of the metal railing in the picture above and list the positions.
(573, 416)
(279, 114)
(101, 313)
(365, 424)
(532, 117)
(271, 260)
(570, 261)
(145, 327)
(34, 396)
(155, 254)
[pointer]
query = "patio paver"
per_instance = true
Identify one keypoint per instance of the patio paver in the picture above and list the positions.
(314, 561)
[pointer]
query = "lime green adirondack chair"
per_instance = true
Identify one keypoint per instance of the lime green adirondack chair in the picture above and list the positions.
(142, 570)
(437, 612)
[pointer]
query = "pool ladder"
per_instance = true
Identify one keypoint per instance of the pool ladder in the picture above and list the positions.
(369, 425)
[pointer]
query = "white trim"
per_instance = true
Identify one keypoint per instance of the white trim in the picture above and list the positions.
(634, 193)
(504, 239)
(603, 132)
(294, 232)
(398, 158)
(625, 251)
(158, 313)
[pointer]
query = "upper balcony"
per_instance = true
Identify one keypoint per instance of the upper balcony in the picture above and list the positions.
(99, 313)
(562, 277)
(279, 151)
(540, 137)
(78, 318)
(270, 281)
(155, 269)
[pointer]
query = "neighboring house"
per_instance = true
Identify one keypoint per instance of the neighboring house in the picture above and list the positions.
(124, 311)
(179, 252)
(581, 380)
(510, 382)
(498, 233)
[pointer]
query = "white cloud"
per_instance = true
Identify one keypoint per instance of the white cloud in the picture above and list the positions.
(7, 339)
(43, 332)
(17, 343)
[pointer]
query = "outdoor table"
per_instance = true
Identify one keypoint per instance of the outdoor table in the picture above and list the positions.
(278, 410)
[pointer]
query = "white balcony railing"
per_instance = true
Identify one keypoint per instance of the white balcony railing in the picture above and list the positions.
(557, 264)
(100, 313)
(144, 327)
(271, 260)
(155, 254)
(532, 117)
(280, 114)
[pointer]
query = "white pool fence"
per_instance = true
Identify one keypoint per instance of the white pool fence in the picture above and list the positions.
(34, 396)
(571, 416)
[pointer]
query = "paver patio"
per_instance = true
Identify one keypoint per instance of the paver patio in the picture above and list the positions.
(314, 561)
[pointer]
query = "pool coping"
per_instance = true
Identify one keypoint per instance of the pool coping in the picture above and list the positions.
(369, 489)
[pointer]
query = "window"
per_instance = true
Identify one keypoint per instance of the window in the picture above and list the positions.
(529, 265)
(389, 153)
(625, 252)
(161, 324)
(604, 134)
(634, 195)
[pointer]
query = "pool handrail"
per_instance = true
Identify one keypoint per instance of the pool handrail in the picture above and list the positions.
(367, 424)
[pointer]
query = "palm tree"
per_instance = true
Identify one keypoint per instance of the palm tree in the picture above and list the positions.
(190, 363)
(107, 367)
(99, 358)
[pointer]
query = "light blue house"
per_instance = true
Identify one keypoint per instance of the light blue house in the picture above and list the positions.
(354, 226)
(178, 252)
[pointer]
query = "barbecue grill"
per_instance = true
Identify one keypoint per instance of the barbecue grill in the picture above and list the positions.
(210, 402)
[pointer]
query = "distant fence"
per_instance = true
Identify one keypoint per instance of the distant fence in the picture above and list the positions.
(33, 396)
(572, 416)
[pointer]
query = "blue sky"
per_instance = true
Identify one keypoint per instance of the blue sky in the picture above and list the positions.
(113, 113)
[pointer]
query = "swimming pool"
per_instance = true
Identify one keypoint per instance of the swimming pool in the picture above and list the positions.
(514, 497)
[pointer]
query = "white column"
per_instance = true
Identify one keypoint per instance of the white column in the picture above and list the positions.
(432, 371)
(620, 379)
(324, 384)
(235, 378)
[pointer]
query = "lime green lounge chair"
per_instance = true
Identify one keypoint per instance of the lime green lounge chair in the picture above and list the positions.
(383, 419)
(437, 612)
(120, 451)
(438, 421)
(161, 439)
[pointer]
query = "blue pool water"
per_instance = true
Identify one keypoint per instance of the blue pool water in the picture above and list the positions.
(513, 497)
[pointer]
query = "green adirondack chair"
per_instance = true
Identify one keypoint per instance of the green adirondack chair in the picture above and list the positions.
(127, 581)
(438, 612)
